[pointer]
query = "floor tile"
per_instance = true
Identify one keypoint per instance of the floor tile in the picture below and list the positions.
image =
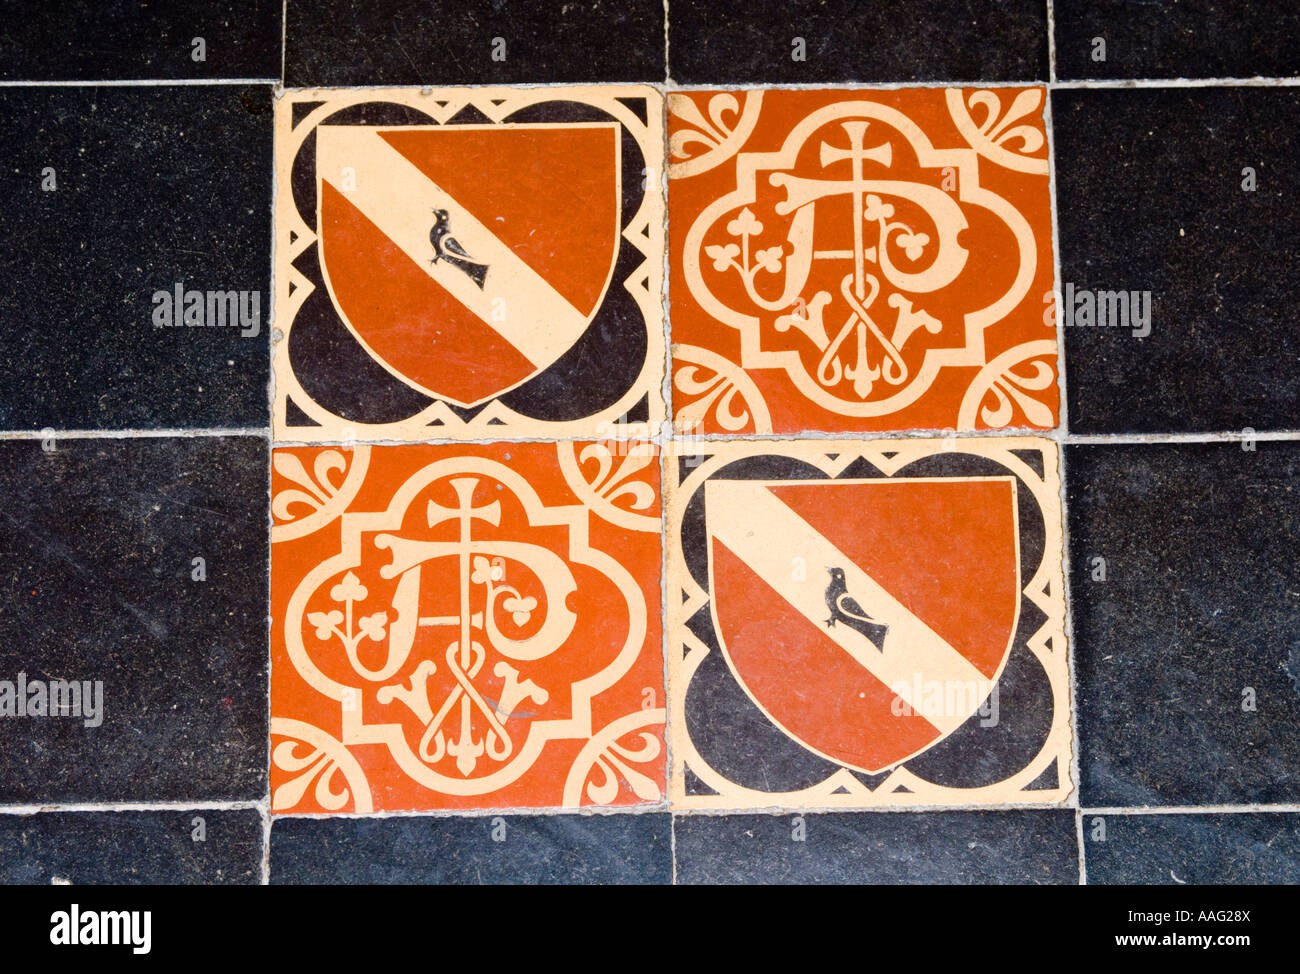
(396, 42)
(434, 279)
(119, 198)
(99, 40)
(1018, 847)
(1202, 850)
(1176, 39)
(1153, 209)
(1184, 593)
(135, 570)
(128, 848)
(867, 623)
(846, 261)
(518, 849)
(466, 627)
(721, 41)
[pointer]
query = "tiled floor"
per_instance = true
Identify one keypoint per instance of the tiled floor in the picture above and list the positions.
(623, 442)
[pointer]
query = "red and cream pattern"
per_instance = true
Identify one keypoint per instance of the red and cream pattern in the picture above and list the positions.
(465, 627)
(867, 260)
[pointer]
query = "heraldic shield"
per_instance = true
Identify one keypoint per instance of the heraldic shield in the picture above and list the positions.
(873, 593)
(467, 259)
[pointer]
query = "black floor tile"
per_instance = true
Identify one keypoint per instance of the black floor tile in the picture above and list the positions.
(531, 850)
(400, 42)
(100, 40)
(1188, 653)
(98, 583)
(154, 187)
(1203, 849)
(1007, 847)
(130, 848)
(1177, 38)
(758, 41)
(1150, 198)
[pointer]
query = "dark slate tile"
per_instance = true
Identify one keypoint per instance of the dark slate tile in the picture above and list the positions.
(1177, 38)
(1150, 198)
(996, 847)
(97, 40)
(738, 41)
(153, 187)
(400, 42)
(1205, 849)
(97, 579)
(1187, 655)
(524, 849)
(130, 848)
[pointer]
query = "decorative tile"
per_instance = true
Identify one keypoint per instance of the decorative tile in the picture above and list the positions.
(1208, 255)
(396, 42)
(98, 40)
(868, 260)
(865, 623)
(1176, 39)
(204, 846)
(1015, 847)
(122, 200)
(468, 263)
(466, 627)
(802, 41)
(1202, 850)
(133, 636)
(517, 849)
(1184, 589)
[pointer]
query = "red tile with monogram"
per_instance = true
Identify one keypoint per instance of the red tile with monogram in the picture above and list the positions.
(465, 627)
(861, 260)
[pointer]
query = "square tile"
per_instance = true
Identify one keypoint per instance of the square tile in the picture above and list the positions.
(805, 41)
(200, 846)
(1177, 199)
(466, 627)
(468, 263)
(1013, 847)
(134, 571)
(535, 850)
(865, 260)
(1202, 849)
(1184, 594)
(397, 42)
(100, 40)
(859, 623)
(120, 199)
(1178, 39)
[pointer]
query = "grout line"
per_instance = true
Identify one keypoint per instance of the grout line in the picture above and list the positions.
(1062, 436)
(52, 433)
(667, 86)
(1083, 855)
(181, 806)
(1257, 82)
(1280, 808)
(679, 439)
(672, 844)
(284, 41)
(272, 351)
(657, 808)
(141, 83)
(1051, 43)
(668, 72)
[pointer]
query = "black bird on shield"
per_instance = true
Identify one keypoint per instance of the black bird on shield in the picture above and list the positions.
(844, 608)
